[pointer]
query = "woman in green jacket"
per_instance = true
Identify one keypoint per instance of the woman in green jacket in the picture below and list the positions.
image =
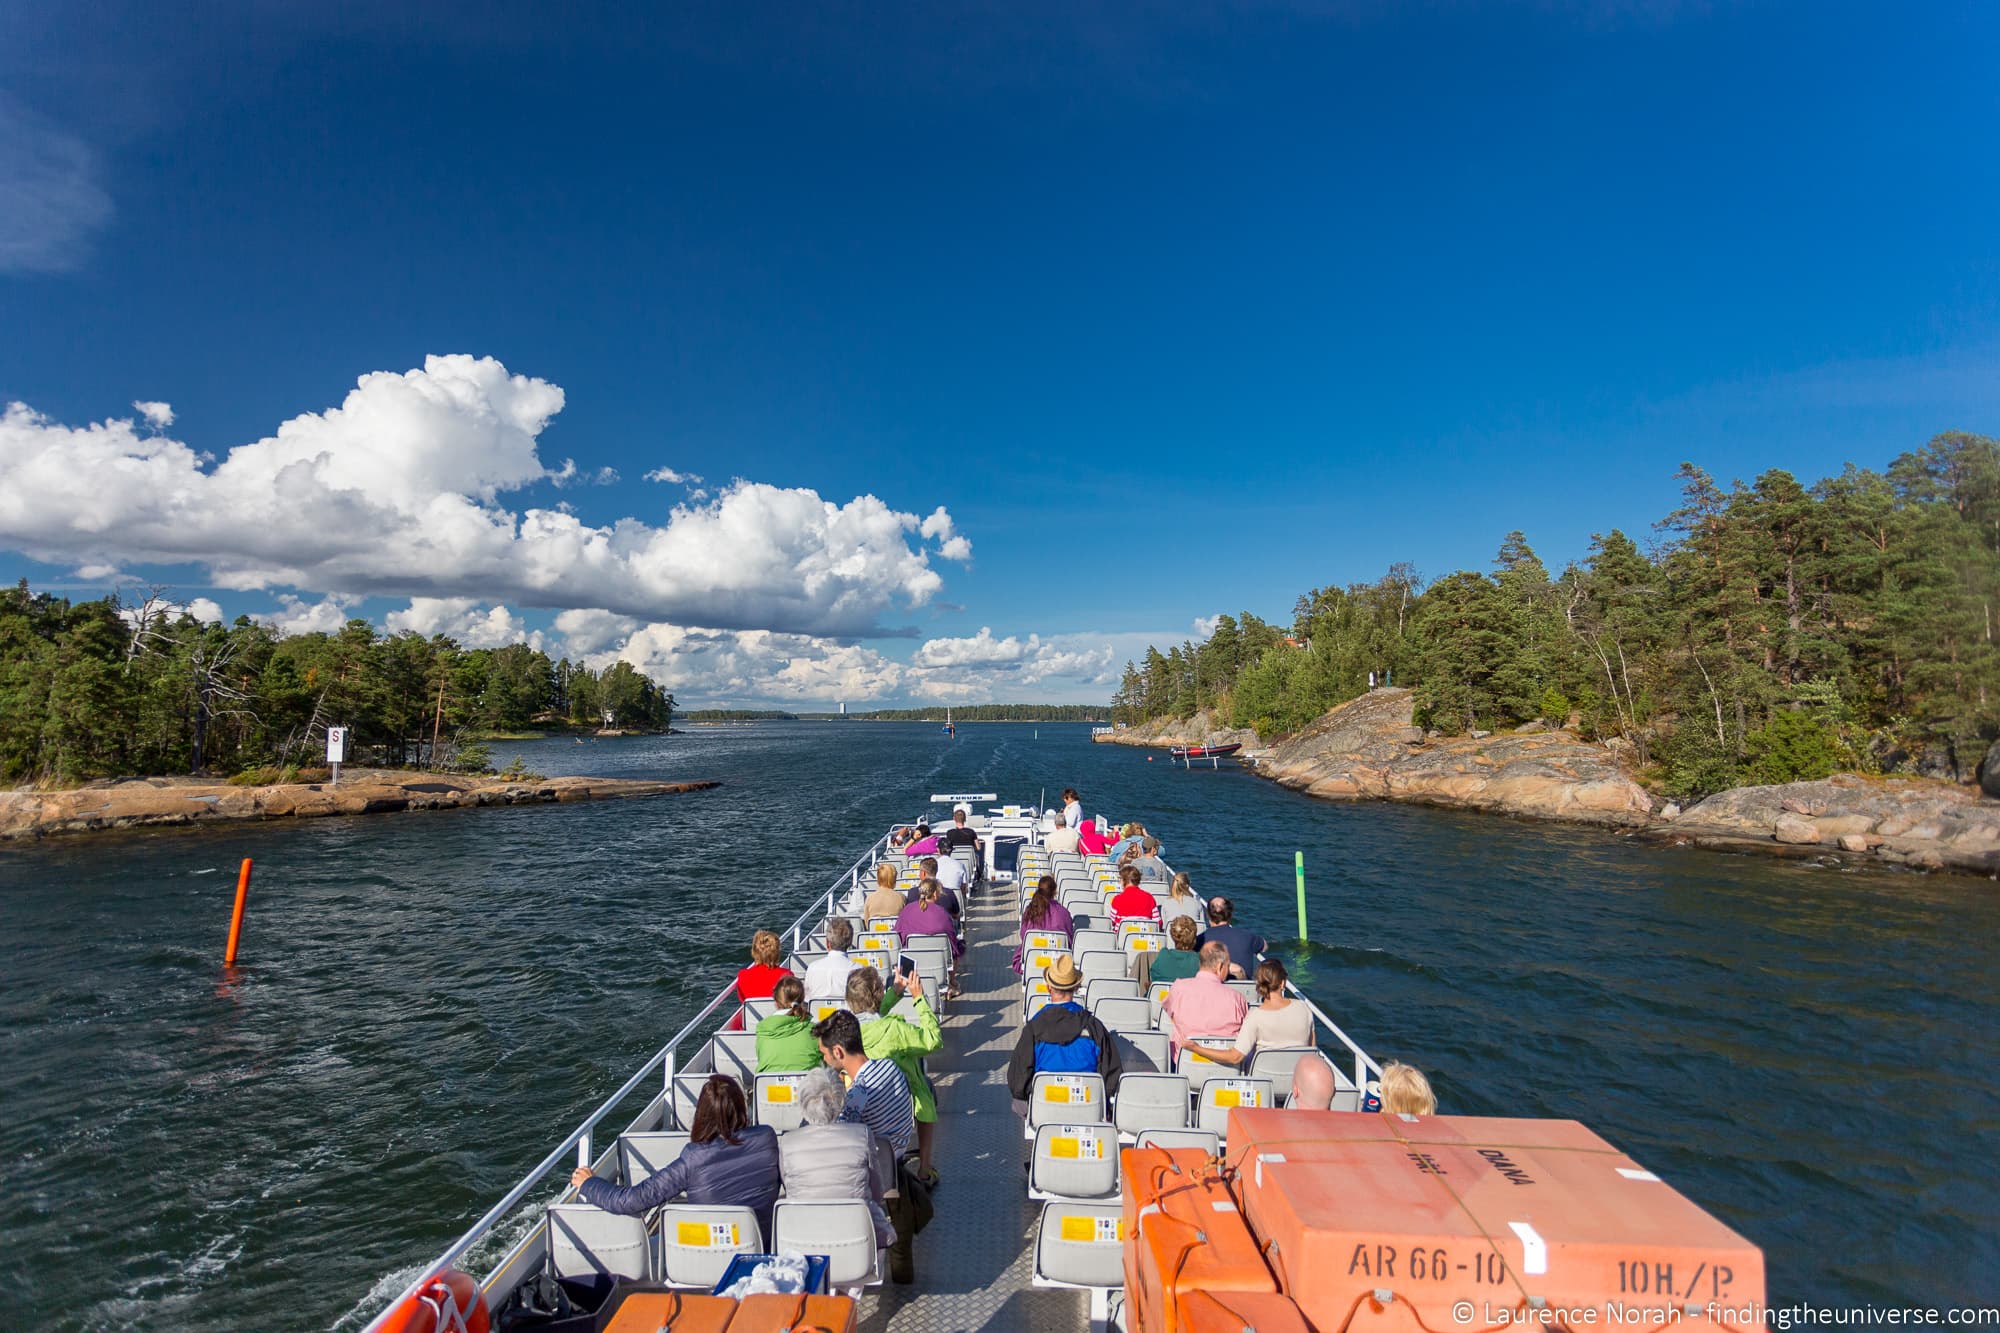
(887, 1036)
(785, 1042)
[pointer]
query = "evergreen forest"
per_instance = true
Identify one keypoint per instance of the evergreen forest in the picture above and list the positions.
(99, 689)
(1764, 632)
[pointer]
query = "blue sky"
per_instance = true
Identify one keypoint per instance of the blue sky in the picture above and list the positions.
(1174, 309)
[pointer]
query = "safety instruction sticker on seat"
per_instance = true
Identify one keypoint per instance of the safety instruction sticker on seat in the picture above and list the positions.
(777, 1092)
(705, 1234)
(1094, 1230)
(1077, 1145)
(822, 1012)
(1040, 959)
(1065, 1090)
(1239, 1094)
(1144, 943)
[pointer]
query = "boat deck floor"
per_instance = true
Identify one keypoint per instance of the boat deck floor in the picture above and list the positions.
(975, 1261)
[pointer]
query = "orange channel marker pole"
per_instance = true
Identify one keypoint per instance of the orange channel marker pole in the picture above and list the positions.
(236, 918)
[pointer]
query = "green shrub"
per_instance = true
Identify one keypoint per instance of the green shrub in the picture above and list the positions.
(1795, 746)
(261, 776)
(1693, 764)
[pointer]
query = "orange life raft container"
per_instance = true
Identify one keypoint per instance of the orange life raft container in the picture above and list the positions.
(1187, 1235)
(1442, 1211)
(451, 1302)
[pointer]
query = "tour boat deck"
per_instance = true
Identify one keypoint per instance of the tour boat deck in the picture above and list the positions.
(975, 1259)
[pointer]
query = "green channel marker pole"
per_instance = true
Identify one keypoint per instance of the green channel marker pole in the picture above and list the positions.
(1299, 864)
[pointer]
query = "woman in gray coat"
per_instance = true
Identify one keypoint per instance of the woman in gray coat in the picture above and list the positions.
(826, 1160)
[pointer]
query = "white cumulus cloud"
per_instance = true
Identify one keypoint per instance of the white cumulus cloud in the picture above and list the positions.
(158, 415)
(295, 615)
(396, 492)
(723, 667)
(463, 619)
(668, 474)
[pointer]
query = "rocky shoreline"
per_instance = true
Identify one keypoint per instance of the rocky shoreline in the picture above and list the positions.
(1368, 749)
(168, 802)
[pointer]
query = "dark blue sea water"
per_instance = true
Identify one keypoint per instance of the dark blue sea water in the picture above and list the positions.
(427, 1003)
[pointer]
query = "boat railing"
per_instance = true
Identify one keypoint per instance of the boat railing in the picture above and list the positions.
(663, 1060)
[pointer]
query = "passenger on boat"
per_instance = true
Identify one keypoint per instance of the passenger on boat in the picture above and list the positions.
(1133, 903)
(1072, 808)
(925, 843)
(1405, 1091)
(950, 877)
(1278, 1019)
(1061, 838)
(1044, 913)
(1244, 946)
(785, 1042)
(958, 835)
(1128, 837)
(1148, 861)
(878, 1095)
(1202, 1006)
(887, 900)
(1064, 1038)
(1312, 1084)
(1181, 901)
(1090, 840)
(927, 916)
(826, 977)
(890, 1036)
(727, 1160)
(827, 1161)
(1175, 964)
(766, 968)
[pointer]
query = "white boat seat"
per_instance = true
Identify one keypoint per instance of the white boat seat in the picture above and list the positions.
(1150, 1101)
(1145, 1052)
(1278, 1063)
(1200, 1070)
(1046, 939)
(1248, 990)
(1086, 941)
(1219, 1096)
(1074, 1162)
(1037, 1003)
(756, 1011)
(1205, 1140)
(842, 1231)
(1080, 1245)
(587, 1242)
(1065, 1099)
(1099, 989)
(647, 1154)
(1123, 1013)
(697, 1241)
(777, 1101)
(1035, 960)
(735, 1054)
(1101, 963)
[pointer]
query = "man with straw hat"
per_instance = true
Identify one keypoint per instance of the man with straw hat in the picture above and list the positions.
(1064, 1038)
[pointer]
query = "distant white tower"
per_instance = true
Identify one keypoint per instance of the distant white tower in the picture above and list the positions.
(843, 708)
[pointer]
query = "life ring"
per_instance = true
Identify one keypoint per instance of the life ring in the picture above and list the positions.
(451, 1302)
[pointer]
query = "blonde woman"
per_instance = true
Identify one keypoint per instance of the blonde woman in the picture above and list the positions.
(887, 900)
(1181, 901)
(1405, 1091)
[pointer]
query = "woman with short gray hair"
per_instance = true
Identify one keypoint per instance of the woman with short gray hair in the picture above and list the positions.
(828, 1160)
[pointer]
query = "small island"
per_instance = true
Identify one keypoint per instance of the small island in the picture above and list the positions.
(164, 802)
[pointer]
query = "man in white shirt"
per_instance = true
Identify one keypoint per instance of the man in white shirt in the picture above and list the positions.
(950, 873)
(1061, 838)
(826, 978)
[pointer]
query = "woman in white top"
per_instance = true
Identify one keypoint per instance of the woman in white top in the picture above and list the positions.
(1278, 1020)
(1072, 808)
(1181, 901)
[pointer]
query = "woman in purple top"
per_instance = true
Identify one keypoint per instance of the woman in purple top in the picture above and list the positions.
(1044, 913)
(927, 916)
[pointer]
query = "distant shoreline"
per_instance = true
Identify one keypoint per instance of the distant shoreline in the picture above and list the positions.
(136, 803)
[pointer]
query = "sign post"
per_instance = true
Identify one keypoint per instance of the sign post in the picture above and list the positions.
(336, 750)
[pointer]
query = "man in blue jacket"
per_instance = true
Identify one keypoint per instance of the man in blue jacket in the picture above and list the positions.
(1064, 1038)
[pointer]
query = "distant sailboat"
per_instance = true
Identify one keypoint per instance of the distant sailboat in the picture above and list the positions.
(949, 729)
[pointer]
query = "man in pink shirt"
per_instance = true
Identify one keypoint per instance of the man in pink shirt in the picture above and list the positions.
(1201, 1005)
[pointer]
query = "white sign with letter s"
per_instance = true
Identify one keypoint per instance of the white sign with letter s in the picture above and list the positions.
(336, 744)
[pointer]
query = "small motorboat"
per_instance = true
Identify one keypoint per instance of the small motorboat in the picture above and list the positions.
(1204, 751)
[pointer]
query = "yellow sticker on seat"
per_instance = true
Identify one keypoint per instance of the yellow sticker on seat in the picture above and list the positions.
(1093, 1229)
(705, 1234)
(777, 1092)
(1055, 1092)
(1063, 1146)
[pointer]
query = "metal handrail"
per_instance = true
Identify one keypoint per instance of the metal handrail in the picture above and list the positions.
(580, 1137)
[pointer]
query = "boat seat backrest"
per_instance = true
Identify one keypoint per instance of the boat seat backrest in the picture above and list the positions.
(687, 1092)
(587, 1242)
(1046, 939)
(648, 1153)
(1089, 941)
(1148, 1052)
(697, 1241)
(1150, 1101)
(842, 1231)
(1278, 1063)
(1197, 1068)
(1101, 963)
(776, 1102)
(1201, 1140)
(1074, 1162)
(735, 1054)
(1248, 990)
(1037, 1003)
(1080, 1245)
(1144, 941)
(1066, 1099)
(756, 1011)
(1034, 961)
(1098, 989)
(1123, 1013)
(1219, 1096)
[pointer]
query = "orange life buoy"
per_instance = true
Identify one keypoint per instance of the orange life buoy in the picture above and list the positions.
(451, 1302)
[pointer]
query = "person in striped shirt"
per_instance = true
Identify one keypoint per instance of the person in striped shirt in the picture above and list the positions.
(878, 1097)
